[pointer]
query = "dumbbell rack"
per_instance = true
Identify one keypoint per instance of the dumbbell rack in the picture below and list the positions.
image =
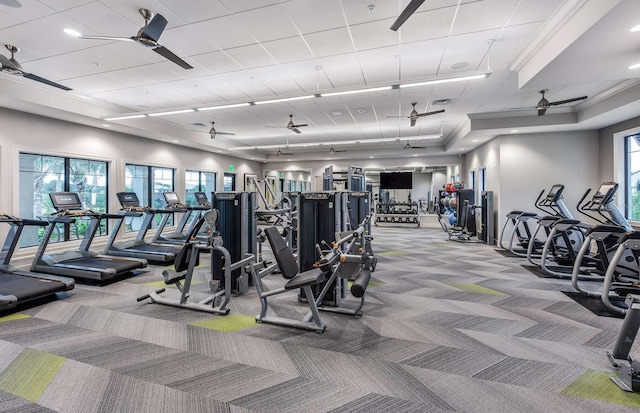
(399, 213)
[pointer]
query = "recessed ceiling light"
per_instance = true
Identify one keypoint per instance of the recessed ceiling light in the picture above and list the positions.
(514, 131)
(636, 66)
(415, 154)
(175, 140)
(106, 125)
(371, 157)
(219, 151)
(253, 159)
(636, 28)
(289, 160)
(460, 65)
(474, 140)
(72, 32)
(462, 149)
(336, 113)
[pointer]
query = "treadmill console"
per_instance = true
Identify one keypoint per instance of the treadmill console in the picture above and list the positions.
(201, 197)
(605, 193)
(65, 201)
(555, 193)
(128, 200)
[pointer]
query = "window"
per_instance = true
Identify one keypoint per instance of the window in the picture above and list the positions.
(198, 181)
(41, 174)
(229, 182)
(632, 168)
(472, 180)
(148, 182)
(482, 184)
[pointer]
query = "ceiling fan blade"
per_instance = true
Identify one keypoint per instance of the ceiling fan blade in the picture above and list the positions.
(542, 111)
(562, 102)
(299, 126)
(295, 130)
(406, 13)
(168, 54)
(122, 39)
(154, 29)
(431, 113)
(418, 147)
(45, 81)
(225, 133)
(413, 121)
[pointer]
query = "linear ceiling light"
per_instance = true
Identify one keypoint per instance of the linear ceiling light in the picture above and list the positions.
(636, 28)
(447, 80)
(126, 117)
(236, 105)
(352, 92)
(173, 112)
(264, 102)
(636, 66)
(349, 142)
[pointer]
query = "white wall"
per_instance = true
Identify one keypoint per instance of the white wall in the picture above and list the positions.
(532, 162)
(438, 181)
(23, 132)
(421, 186)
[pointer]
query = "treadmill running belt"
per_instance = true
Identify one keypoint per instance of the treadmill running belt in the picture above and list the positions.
(156, 248)
(103, 263)
(27, 288)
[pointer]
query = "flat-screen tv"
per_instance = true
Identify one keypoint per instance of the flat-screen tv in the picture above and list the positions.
(396, 180)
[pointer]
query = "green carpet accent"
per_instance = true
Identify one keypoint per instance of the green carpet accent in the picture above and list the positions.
(30, 373)
(162, 284)
(597, 385)
(233, 322)
(473, 288)
(12, 317)
(371, 284)
(392, 253)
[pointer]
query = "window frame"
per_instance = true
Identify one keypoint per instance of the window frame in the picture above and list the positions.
(148, 202)
(201, 185)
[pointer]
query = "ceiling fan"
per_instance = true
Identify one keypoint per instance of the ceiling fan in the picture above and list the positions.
(12, 67)
(406, 13)
(213, 132)
(544, 104)
(291, 125)
(409, 146)
(282, 153)
(147, 36)
(333, 151)
(414, 115)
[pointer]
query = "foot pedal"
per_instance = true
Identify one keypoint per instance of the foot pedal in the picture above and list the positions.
(214, 285)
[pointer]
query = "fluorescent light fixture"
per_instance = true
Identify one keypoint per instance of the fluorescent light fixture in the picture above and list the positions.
(350, 142)
(447, 80)
(353, 92)
(636, 28)
(474, 140)
(264, 102)
(235, 105)
(126, 117)
(173, 112)
(72, 32)
(636, 66)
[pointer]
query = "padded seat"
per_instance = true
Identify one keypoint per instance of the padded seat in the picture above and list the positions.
(304, 279)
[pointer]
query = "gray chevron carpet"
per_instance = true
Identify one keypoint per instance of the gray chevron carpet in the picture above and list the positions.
(446, 327)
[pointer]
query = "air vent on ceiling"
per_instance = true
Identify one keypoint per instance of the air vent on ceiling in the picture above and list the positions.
(441, 102)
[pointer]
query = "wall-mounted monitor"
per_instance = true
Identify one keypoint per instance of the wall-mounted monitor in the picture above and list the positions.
(396, 180)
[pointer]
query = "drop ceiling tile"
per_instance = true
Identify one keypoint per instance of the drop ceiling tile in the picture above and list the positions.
(129, 10)
(216, 62)
(515, 37)
(7, 21)
(224, 32)
(529, 11)
(126, 55)
(224, 90)
(70, 65)
(484, 15)
(61, 5)
(428, 25)
(421, 59)
(305, 74)
(380, 65)
(186, 41)
(374, 34)
(276, 79)
(236, 6)
(288, 50)
(251, 56)
(267, 23)
(315, 15)
(37, 43)
(470, 48)
(330, 42)
(109, 81)
(343, 71)
(29, 10)
(196, 10)
(357, 12)
(103, 20)
(250, 87)
(161, 72)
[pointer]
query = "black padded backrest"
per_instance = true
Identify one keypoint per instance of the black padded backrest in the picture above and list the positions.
(284, 257)
(183, 256)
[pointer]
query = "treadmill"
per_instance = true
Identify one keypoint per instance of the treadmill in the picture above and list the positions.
(80, 263)
(138, 248)
(16, 286)
(182, 231)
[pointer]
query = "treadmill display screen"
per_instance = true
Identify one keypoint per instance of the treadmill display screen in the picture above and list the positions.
(65, 200)
(171, 198)
(604, 190)
(128, 199)
(555, 191)
(201, 197)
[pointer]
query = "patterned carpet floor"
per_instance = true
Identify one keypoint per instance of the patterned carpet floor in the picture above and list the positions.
(447, 327)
